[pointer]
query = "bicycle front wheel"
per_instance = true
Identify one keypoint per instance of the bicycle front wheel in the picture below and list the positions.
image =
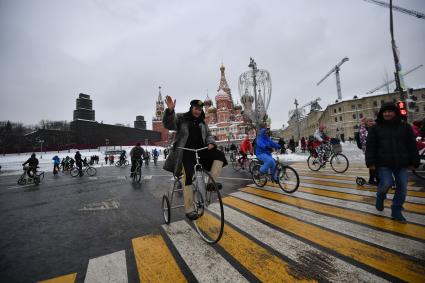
(339, 163)
(210, 223)
(137, 175)
(91, 171)
(289, 180)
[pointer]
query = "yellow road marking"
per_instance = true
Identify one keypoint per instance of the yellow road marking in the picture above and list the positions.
(260, 262)
(412, 207)
(409, 229)
(372, 256)
(352, 186)
(69, 278)
(155, 262)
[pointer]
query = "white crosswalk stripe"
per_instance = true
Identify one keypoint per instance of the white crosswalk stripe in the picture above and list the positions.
(109, 268)
(205, 263)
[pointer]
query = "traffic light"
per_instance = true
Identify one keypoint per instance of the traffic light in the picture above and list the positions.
(402, 107)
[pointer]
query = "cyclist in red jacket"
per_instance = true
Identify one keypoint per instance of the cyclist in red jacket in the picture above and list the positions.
(245, 148)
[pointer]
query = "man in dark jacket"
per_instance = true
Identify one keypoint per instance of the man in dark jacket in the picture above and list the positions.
(391, 149)
(191, 132)
(32, 165)
(136, 154)
(79, 163)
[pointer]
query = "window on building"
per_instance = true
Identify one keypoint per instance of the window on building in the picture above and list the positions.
(423, 95)
(375, 103)
(360, 115)
(354, 116)
(336, 119)
(353, 106)
(417, 109)
(340, 118)
(424, 109)
(339, 109)
(359, 106)
(334, 110)
(382, 102)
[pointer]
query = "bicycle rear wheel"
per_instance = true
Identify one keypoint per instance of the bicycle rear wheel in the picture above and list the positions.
(313, 163)
(137, 175)
(289, 180)
(210, 224)
(339, 163)
(91, 171)
(40, 175)
(259, 179)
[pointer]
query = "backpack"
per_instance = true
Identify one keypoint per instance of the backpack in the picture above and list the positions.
(357, 138)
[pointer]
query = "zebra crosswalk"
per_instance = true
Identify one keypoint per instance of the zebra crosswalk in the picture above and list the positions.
(329, 230)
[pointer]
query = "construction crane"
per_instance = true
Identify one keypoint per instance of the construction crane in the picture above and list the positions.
(399, 9)
(390, 82)
(336, 70)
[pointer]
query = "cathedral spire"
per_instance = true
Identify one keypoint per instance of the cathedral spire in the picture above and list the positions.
(223, 82)
(159, 94)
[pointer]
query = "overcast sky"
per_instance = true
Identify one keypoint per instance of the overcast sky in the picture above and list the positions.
(119, 52)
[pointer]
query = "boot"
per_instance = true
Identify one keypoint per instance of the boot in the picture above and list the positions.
(396, 214)
(379, 202)
(215, 172)
(188, 203)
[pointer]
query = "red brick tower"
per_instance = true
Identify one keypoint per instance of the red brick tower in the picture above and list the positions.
(157, 120)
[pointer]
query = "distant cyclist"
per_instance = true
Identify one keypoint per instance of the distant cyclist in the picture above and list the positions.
(79, 163)
(136, 154)
(320, 142)
(32, 165)
(56, 162)
(245, 148)
(155, 155)
(263, 152)
(123, 157)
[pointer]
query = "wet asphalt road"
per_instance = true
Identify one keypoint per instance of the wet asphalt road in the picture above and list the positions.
(48, 229)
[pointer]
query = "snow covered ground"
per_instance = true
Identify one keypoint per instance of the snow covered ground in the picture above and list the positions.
(12, 163)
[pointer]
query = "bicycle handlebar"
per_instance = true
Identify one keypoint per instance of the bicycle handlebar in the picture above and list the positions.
(192, 149)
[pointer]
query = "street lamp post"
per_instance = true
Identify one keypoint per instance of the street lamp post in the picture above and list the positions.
(253, 66)
(255, 83)
(41, 148)
(298, 120)
(396, 54)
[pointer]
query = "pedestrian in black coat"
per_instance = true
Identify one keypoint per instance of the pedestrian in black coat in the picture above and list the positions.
(391, 150)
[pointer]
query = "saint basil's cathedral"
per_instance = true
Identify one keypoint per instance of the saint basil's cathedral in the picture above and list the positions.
(225, 120)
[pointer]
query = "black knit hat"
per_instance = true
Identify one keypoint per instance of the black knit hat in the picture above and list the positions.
(389, 106)
(196, 103)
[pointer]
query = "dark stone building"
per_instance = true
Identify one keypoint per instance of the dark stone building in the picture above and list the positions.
(84, 107)
(140, 123)
(94, 134)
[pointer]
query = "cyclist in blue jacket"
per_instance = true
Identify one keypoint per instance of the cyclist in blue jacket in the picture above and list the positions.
(263, 152)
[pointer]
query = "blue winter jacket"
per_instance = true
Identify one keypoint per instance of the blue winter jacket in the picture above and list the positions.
(265, 144)
(56, 160)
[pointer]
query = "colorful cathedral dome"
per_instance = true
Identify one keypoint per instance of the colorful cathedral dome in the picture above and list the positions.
(207, 101)
(222, 95)
(212, 110)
